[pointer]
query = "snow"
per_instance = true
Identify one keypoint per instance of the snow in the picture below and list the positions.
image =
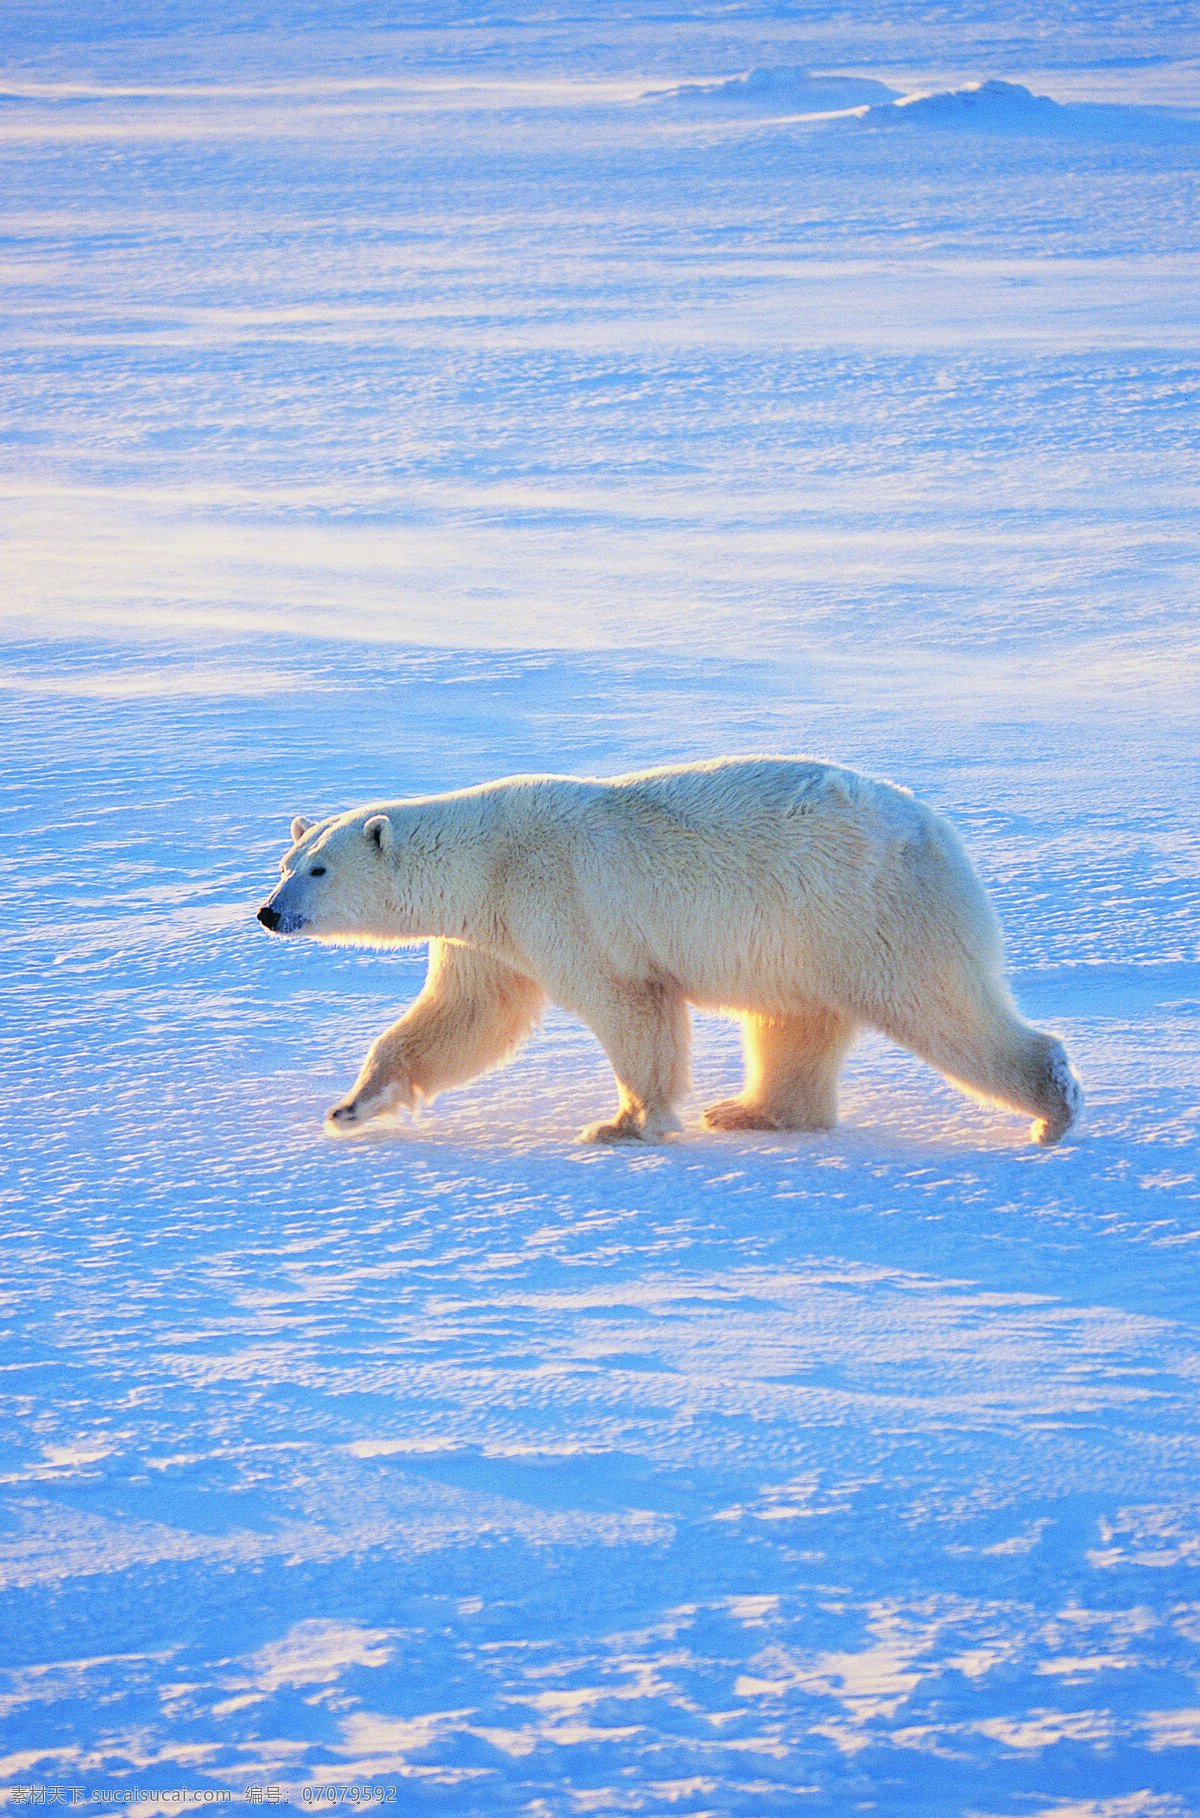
(395, 402)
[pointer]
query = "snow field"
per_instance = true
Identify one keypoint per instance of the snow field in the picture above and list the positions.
(492, 418)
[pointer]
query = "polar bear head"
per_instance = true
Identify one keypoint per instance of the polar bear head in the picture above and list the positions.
(338, 880)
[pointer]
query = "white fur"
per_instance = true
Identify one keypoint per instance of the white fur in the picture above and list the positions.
(805, 899)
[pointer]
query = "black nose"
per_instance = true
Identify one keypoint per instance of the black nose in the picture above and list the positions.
(270, 918)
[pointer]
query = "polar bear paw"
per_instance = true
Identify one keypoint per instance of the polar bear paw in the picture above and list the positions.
(736, 1114)
(1065, 1096)
(742, 1114)
(361, 1107)
(631, 1126)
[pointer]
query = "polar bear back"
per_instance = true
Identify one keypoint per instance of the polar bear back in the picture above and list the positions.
(750, 883)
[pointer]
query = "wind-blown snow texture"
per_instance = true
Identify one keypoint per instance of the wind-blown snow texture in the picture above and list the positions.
(401, 398)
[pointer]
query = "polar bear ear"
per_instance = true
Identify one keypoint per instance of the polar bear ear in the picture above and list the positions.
(300, 827)
(379, 829)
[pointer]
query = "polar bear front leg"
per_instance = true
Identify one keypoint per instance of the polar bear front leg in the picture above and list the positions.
(471, 1015)
(643, 1029)
(384, 1083)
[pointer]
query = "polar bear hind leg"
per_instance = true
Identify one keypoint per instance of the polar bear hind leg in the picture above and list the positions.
(792, 1068)
(472, 1013)
(984, 1047)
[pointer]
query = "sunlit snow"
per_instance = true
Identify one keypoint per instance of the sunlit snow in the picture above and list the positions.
(399, 398)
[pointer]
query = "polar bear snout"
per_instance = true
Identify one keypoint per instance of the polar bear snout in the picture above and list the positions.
(278, 923)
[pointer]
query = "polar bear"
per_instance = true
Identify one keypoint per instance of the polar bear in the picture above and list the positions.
(807, 900)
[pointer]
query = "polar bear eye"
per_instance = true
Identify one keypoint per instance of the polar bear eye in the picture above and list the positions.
(317, 871)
